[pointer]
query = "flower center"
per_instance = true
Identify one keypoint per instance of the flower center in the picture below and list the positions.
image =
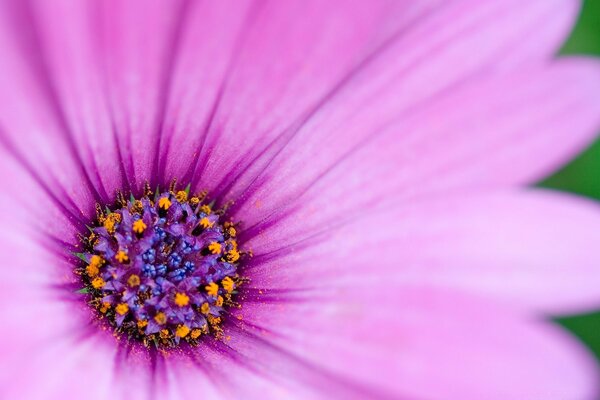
(161, 269)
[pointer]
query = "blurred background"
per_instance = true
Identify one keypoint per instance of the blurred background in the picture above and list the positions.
(582, 175)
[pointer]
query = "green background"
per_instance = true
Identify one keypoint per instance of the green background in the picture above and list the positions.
(582, 176)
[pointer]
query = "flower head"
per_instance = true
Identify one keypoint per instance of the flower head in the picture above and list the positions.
(292, 199)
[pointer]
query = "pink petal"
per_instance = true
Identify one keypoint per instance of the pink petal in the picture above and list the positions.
(402, 342)
(489, 132)
(107, 87)
(439, 48)
(534, 250)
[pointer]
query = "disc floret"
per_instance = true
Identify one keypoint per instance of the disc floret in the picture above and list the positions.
(162, 268)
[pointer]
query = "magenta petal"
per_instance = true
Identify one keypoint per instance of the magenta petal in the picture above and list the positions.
(488, 132)
(408, 342)
(532, 249)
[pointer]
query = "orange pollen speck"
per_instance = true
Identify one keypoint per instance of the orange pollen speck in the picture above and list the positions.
(139, 226)
(121, 256)
(164, 203)
(96, 260)
(205, 209)
(219, 301)
(205, 223)
(228, 284)
(196, 334)
(142, 323)
(98, 283)
(181, 196)
(105, 307)
(133, 280)
(122, 309)
(205, 308)
(182, 299)
(215, 247)
(182, 331)
(160, 318)
(212, 289)
(92, 270)
(233, 255)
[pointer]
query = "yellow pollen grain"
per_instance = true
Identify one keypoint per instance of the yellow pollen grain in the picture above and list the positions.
(219, 301)
(195, 333)
(96, 260)
(228, 284)
(233, 255)
(194, 201)
(164, 203)
(182, 331)
(133, 280)
(142, 323)
(160, 318)
(205, 209)
(121, 257)
(205, 308)
(105, 307)
(139, 226)
(215, 247)
(164, 333)
(98, 283)
(212, 289)
(205, 223)
(182, 299)
(232, 232)
(122, 309)
(92, 270)
(137, 206)
(181, 196)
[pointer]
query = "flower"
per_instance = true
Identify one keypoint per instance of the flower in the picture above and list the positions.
(357, 167)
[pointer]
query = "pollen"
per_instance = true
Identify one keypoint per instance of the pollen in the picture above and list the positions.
(133, 280)
(182, 331)
(164, 203)
(105, 307)
(96, 260)
(182, 299)
(121, 257)
(160, 318)
(181, 196)
(161, 279)
(139, 226)
(212, 289)
(205, 223)
(215, 247)
(195, 333)
(205, 308)
(98, 283)
(122, 309)
(228, 284)
(92, 270)
(233, 255)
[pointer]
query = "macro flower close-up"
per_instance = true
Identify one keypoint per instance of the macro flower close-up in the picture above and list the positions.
(294, 199)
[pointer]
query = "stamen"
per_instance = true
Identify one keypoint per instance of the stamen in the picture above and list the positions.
(161, 269)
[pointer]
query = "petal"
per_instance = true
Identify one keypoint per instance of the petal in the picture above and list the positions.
(403, 342)
(107, 87)
(489, 132)
(535, 250)
(389, 80)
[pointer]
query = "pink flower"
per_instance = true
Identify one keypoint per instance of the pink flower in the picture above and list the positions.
(369, 154)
